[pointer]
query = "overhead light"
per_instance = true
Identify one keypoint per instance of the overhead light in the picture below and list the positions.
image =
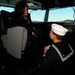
(30, 4)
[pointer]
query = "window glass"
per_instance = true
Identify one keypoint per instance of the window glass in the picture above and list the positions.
(55, 15)
(37, 15)
(9, 9)
(61, 14)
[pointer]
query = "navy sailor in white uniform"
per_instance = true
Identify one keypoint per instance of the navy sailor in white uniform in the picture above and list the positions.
(58, 53)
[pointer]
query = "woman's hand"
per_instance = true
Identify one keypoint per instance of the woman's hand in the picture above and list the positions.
(34, 34)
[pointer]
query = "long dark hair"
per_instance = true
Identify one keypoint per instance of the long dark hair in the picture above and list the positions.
(19, 7)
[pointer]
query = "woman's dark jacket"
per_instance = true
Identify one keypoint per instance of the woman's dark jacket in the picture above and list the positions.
(18, 20)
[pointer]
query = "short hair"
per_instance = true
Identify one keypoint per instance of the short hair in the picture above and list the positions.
(19, 7)
(58, 36)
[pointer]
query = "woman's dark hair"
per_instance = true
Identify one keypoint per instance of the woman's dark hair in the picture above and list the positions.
(19, 8)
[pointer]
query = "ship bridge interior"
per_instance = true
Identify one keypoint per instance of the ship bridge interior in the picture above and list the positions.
(14, 56)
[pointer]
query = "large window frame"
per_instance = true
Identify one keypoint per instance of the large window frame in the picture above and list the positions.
(50, 15)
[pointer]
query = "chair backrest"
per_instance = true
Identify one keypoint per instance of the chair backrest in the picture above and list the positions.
(4, 20)
(16, 40)
(4, 40)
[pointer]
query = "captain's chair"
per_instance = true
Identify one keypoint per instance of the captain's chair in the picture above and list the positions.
(5, 17)
(15, 41)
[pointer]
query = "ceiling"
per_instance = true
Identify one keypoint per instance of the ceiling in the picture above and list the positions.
(56, 3)
(43, 4)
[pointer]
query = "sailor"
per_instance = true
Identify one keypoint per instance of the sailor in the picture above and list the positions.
(58, 53)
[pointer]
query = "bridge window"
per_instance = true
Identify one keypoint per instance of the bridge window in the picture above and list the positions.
(9, 9)
(61, 15)
(37, 15)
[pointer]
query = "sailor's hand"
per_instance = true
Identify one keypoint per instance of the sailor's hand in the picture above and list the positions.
(46, 48)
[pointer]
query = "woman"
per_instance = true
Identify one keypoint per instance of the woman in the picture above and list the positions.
(21, 17)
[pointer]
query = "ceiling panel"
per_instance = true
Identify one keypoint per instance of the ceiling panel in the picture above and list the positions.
(45, 4)
(56, 3)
